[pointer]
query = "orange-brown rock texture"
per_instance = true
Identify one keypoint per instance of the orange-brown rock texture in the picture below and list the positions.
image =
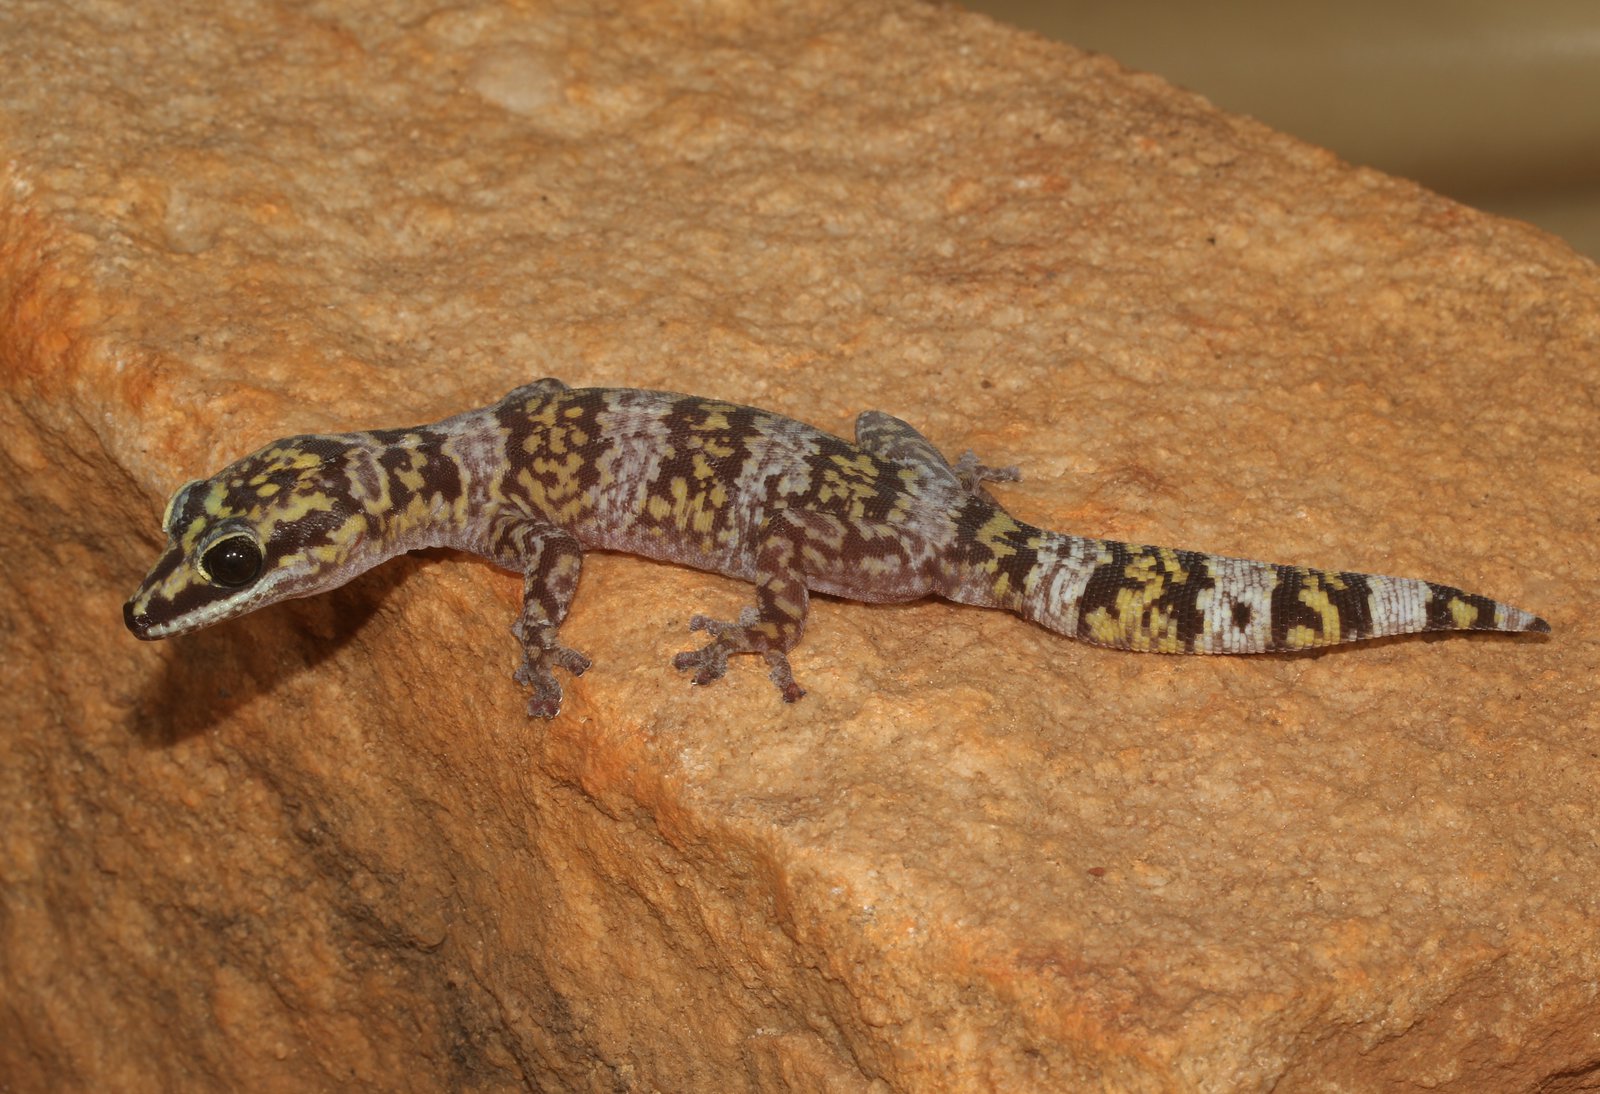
(322, 848)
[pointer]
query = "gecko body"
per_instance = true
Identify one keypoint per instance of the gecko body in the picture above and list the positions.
(535, 479)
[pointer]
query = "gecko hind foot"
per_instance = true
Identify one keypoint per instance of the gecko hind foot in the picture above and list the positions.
(710, 662)
(539, 656)
(974, 474)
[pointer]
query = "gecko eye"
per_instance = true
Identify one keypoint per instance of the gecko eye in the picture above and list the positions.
(233, 561)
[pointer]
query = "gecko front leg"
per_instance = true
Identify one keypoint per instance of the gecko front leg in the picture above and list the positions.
(550, 560)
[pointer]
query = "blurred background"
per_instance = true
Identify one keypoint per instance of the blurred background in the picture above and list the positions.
(1495, 104)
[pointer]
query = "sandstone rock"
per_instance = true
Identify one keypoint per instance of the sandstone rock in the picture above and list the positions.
(321, 847)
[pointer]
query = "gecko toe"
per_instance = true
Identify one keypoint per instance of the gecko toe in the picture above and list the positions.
(569, 659)
(783, 677)
(544, 706)
(545, 702)
(534, 673)
(708, 663)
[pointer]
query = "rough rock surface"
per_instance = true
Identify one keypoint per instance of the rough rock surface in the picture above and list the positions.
(322, 848)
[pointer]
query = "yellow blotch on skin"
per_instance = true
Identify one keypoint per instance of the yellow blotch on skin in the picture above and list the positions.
(1315, 597)
(1154, 566)
(292, 459)
(1125, 625)
(692, 510)
(539, 412)
(557, 440)
(563, 472)
(1462, 614)
(348, 532)
(852, 481)
(417, 512)
(410, 476)
(214, 497)
(559, 500)
(1104, 627)
(297, 506)
(861, 465)
(1300, 638)
(1158, 631)
(994, 535)
(716, 417)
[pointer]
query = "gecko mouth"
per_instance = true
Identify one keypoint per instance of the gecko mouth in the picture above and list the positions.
(139, 624)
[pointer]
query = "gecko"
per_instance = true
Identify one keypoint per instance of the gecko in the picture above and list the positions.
(532, 481)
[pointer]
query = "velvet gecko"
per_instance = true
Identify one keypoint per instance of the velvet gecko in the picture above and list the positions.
(547, 472)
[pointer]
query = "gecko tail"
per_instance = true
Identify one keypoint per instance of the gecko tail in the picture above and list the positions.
(1163, 600)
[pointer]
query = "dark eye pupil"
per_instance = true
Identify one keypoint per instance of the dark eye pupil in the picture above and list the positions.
(234, 561)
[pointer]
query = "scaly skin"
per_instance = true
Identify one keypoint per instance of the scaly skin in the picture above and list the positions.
(534, 480)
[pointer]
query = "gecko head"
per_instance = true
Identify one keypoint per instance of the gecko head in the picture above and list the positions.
(287, 521)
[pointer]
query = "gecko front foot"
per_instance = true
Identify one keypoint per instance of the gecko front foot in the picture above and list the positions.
(540, 653)
(710, 662)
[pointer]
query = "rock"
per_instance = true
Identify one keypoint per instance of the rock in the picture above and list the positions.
(322, 847)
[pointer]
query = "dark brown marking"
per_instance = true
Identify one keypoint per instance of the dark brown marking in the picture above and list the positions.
(1288, 611)
(1354, 604)
(1021, 561)
(1104, 583)
(1181, 598)
(877, 493)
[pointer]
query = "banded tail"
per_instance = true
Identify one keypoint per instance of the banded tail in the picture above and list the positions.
(1163, 600)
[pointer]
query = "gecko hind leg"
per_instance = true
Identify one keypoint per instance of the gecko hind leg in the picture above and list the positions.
(892, 439)
(770, 628)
